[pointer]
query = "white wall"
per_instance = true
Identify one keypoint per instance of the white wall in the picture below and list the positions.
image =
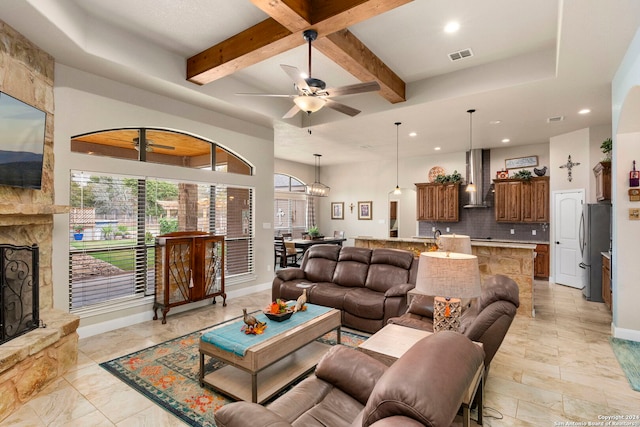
(626, 140)
(499, 155)
(85, 103)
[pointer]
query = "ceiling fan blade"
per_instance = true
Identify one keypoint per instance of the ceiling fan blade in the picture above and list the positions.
(266, 94)
(295, 75)
(292, 112)
(345, 109)
(353, 89)
(164, 147)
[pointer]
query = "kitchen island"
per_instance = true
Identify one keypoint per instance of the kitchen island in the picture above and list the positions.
(510, 258)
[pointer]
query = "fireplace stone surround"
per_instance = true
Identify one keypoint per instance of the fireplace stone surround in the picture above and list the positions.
(32, 361)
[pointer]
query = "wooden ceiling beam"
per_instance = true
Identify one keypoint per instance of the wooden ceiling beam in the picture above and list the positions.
(283, 31)
(345, 49)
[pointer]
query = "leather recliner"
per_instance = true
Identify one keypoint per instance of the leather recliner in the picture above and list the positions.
(424, 387)
(486, 321)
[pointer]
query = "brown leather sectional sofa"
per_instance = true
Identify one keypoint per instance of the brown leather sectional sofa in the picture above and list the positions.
(425, 387)
(369, 286)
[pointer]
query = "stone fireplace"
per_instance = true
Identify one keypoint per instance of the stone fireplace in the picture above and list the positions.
(32, 360)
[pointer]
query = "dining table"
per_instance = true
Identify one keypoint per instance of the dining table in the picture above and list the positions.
(305, 244)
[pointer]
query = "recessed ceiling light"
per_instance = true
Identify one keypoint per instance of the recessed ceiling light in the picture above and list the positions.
(584, 111)
(413, 134)
(437, 148)
(451, 27)
(504, 141)
(495, 122)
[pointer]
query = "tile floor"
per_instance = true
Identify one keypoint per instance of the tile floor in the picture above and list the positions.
(552, 369)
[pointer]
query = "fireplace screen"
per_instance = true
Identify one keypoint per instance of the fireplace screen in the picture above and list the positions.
(19, 290)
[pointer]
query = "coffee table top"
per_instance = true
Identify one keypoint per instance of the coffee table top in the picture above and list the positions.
(230, 338)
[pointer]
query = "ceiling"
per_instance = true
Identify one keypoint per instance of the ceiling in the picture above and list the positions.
(532, 60)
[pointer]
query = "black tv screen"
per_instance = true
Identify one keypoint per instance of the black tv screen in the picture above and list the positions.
(22, 133)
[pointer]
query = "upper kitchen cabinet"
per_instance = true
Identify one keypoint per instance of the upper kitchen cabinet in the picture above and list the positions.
(522, 200)
(602, 171)
(437, 202)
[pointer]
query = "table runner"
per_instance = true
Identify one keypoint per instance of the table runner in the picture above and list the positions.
(230, 338)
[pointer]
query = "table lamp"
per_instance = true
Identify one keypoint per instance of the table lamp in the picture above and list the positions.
(455, 243)
(448, 276)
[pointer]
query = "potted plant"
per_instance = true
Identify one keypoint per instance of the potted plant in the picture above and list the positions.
(606, 147)
(313, 232)
(78, 232)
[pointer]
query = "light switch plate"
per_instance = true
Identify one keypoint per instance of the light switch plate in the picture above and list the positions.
(513, 231)
(533, 232)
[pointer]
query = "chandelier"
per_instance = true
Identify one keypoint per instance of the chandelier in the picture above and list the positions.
(317, 189)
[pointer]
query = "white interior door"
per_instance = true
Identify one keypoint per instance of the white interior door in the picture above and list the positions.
(567, 257)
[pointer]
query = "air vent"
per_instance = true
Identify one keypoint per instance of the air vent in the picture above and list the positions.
(555, 119)
(461, 54)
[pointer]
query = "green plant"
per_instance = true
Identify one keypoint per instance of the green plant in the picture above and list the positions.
(606, 146)
(313, 231)
(522, 174)
(168, 225)
(108, 232)
(148, 238)
(453, 178)
(78, 228)
(123, 230)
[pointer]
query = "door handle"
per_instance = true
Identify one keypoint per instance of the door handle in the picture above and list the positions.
(557, 243)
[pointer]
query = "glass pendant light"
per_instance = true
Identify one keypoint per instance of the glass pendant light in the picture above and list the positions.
(470, 186)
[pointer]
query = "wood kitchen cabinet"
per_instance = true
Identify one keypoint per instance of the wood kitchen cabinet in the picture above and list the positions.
(437, 202)
(189, 267)
(541, 262)
(606, 282)
(602, 171)
(522, 200)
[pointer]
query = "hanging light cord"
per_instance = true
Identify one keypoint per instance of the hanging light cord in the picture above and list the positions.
(397, 143)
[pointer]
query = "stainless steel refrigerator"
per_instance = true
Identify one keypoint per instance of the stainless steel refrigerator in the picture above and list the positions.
(594, 238)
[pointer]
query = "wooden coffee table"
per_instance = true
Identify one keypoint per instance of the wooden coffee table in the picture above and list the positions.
(391, 342)
(279, 360)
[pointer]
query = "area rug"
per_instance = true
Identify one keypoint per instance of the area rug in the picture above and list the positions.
(167, 374)
(628, 355)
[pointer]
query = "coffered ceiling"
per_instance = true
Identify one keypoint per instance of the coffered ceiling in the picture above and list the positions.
(532, 60)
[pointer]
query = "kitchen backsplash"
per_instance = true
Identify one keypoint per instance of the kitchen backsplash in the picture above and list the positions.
(481, 223)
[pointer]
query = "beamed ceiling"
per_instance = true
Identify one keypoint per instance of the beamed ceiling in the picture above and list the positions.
(532, 60)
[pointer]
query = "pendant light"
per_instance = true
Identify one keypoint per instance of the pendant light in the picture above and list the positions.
(317, 189)
(470, 186)
(397, 191)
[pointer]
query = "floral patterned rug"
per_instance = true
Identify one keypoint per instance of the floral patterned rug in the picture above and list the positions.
(167, 374)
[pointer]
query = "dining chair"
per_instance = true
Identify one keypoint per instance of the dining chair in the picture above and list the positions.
(283, 252)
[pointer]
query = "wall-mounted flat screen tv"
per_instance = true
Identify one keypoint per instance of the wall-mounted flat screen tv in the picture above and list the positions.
(22, 133)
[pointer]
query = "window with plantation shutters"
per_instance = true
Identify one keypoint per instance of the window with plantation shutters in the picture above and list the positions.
(114, 221)
(290, 206)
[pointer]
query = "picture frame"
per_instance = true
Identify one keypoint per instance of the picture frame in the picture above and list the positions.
(365, 210)
(521, 162)
(337, 210)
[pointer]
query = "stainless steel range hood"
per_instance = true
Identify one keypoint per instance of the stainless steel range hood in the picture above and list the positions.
(474, 174)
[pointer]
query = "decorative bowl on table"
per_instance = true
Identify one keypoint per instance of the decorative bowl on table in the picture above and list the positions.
(278, 317)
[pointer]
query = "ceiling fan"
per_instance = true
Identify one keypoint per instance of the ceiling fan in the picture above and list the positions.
(312, 93)
(150, 145)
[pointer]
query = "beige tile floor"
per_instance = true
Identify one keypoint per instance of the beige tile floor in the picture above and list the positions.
(551, 369)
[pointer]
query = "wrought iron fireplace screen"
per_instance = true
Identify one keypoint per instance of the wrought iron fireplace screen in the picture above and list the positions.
(19, 306)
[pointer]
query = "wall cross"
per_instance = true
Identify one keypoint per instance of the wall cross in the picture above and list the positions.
(569, 165)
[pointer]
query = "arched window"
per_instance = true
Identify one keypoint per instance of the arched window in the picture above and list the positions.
(160, 146)
(291, 206)
(115, 218)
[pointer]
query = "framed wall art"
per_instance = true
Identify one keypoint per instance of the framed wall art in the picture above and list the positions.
(337, 210)
(364, 210)
(521, 162)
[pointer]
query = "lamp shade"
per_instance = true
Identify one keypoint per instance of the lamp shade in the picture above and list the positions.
(455, 243)
(448, 274)
(309, 104)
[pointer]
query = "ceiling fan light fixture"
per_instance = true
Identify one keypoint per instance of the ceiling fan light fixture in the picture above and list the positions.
(309, 104)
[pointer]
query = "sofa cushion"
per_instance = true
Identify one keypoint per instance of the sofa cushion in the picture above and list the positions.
(363, 302)
(327, 294)
(388, 267)
(353, 264)
(320, 262)
(421, 305)
(357, 378)
(300, 398)
(428, 382)
(498, 287)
